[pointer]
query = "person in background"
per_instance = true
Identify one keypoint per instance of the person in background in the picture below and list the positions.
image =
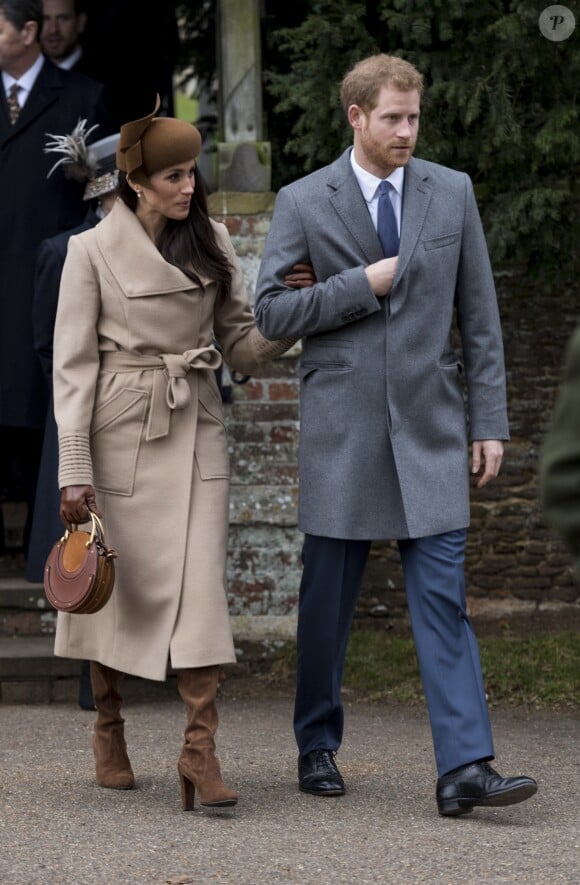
(142, 440)
(36, 97)
(94, 164)
(60, 38)
(398, 252)
(559, 475)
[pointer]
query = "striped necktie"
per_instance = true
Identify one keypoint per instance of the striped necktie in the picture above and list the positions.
(386, 222)
(13, 106)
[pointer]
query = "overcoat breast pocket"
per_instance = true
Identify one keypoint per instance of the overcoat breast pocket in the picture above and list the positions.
(440, 242)
(115, 439)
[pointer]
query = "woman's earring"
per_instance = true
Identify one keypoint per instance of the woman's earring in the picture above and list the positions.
(138, 194)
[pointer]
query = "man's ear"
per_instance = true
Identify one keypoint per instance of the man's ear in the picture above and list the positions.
(30, 30)
(355, 116)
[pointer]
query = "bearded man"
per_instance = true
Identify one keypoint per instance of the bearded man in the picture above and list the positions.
(399, 259)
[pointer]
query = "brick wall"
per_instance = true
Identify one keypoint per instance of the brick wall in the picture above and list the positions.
(513, 562)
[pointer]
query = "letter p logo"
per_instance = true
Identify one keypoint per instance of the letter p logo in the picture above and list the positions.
(556, 23)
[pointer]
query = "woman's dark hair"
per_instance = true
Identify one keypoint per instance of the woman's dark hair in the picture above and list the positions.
(190, 245)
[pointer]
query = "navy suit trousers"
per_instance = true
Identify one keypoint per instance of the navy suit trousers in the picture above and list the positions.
(444, 639)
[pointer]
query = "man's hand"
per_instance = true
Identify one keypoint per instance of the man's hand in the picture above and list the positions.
(301, 277)
(381, 275)
(486, 459)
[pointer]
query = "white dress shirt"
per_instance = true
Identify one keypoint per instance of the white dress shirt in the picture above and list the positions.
(26, 81)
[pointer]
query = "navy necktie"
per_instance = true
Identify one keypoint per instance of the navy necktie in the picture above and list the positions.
(386, 222)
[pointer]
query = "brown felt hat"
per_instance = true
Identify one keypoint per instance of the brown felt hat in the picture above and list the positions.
(153, 143)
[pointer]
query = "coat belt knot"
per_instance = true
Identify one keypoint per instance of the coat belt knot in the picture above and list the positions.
(170, 388)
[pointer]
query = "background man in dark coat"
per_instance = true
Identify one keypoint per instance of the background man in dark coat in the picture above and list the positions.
(62, 27)
(34, 206)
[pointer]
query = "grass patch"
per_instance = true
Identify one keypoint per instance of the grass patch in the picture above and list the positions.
(540, 671)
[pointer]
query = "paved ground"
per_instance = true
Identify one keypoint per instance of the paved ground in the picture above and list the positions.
(57, 826)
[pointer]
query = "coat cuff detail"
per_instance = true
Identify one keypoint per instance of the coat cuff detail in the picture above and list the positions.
(75, 462)
(268, 350)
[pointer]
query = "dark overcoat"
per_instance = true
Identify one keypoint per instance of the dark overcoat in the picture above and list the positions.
(384, 431)
(34, 207)
(46, 524)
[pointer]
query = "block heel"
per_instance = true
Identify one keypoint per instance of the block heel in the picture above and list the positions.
(187, 793)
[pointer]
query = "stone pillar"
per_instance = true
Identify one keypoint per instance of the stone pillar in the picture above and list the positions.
(243, 157)
(262, 418)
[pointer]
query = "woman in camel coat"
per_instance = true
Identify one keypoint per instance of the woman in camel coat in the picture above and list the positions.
(143, 298)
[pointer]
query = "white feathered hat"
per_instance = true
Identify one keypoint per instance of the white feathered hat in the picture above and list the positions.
(93, 163)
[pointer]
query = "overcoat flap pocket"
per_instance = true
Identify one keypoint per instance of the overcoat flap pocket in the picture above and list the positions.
(327, 355)
(115, 439)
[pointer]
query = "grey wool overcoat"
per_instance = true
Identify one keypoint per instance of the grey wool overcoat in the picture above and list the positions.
(384, 429)
(140, 417)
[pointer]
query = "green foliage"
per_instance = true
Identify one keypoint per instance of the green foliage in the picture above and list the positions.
(500, 102)
(330, 38)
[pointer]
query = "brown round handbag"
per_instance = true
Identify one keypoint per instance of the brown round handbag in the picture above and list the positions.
(80, 571)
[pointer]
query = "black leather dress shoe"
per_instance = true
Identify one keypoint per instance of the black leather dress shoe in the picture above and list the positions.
(478, 784)
(318, 774)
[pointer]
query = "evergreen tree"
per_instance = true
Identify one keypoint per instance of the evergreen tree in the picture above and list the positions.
(500, 102)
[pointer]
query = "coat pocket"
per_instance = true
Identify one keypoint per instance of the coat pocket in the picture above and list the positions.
(332, 355)
(211, 449)
(115, 439)
(439, 242)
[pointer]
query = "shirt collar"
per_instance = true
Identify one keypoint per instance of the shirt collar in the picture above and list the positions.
(369, 183)
(68, 63)
(26, 81)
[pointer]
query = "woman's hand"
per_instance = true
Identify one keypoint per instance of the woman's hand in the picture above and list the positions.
(75, 504)
(301, 277)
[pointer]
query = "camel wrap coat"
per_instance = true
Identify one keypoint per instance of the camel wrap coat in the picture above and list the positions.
(140, 417)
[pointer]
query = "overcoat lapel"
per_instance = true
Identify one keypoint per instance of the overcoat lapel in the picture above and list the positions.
(417, 193)
(350, 206)
(134, 259)
(44, 93)
(5, 124)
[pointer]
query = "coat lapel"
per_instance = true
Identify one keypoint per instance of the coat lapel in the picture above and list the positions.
(133, 258)
(43, 94)
(417, 193)
(349, 204)
(5, 125)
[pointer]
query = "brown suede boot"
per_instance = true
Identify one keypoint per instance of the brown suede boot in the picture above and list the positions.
(198, 765)
(112, 764)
